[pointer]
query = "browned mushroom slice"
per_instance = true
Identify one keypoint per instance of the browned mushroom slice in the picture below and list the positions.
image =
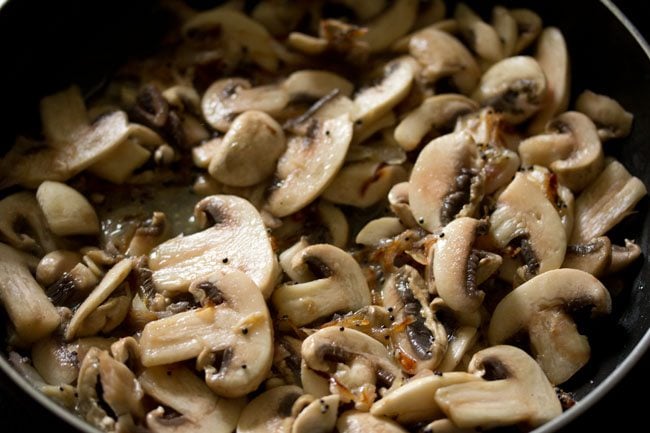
(309, 164)
(393, 23)
(542, 307)
(524, 215)
(423, 342)
(445, 182)
(23, 224)
(226, 98)
(358, 364)
(194, 407)
(515, 392)
(442, 55)
(610, 117)
(605, 202)
(515, 87)
(231, 334)
(593, 257)
(29, 310)
(436, 112)
(456, 263)
(330, 281)
(237, 238)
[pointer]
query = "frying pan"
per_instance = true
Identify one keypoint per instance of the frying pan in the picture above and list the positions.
(48, 45)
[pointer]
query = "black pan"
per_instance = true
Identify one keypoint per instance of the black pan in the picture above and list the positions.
(46, 46)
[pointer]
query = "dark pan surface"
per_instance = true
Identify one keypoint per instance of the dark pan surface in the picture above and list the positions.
(80, 42)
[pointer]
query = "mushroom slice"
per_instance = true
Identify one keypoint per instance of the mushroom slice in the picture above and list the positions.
(337, 284)
(524, 215)
(54, 265)
(275, 410)
(444, 425)
(605, 202)
(278, 16)
(237, 239)
(480, 36)
(461, 341)
(29, 310)
(66, 210)
(529, 26)
(363, 184)
(623, 256)
(23, 224)
(593, 257)
(358, 365)
(334, 220)
(379, 229)
(541, 307)
(309, 164)
(55, 361)
(553, 57)
(307, 44)
(228, 97)
(414, 401)
(109, 395)
(423, 342)
(319, 416)
(80, 148)
(442, 55)
(436, 112)
(196, 408)
(515, 391)
(150, 233)
(506, 27)
(456, 262)
(445, 182)
(315, 84)
(364, 9)
(231, 334)
(393, 23)
(354, 421)
(238, 34)
(374, 101)
(84, 322)
(398, 197)
(610, 117)
(515, 87)
(203, 153)
(249, 151)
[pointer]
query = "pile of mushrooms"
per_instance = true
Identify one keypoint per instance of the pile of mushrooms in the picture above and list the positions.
(330, 216)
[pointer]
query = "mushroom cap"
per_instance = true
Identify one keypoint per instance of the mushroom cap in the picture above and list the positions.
(434, 180)
(237, 238)
(516, 391)
(337, 285)
(559, 288)
(309, 165)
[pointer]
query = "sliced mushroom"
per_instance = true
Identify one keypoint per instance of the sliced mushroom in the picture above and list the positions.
(480, 36)
(524, 215)
(553, 57)
(358, 365)
(195, 408)
(542, 307)
(506, 27)
(363, 184)
(444, 182)
(354, 421)
(203, 153)
(231, 334)
(379, 229)
(237, 238)
(414, 401)
(623, 256)
(85, 322)
(393, 23)
(610, 117)
(442, 55)
(444, 425)
(335, 284)
(23, 224)
(238, 34)
(319, 416)
(55, 361)
(605, 202)
(110, 397)
(315, 84)
(336, 223)
(430, 14)
(54, 265)
(515, 392)
(309, 165)
(29, 310)
(593, 257)
(456, 263)
(227, 98)
(307, 44)
(249, 151)
(529, 25)
(515, 87)
(462, 341)
(278, 16)
(423, 342)
(436, 112)
(270, 411)
(66, 210)
(29, 165)
(398, 197)
(364, 9)
(375, 101)
(149, 234)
